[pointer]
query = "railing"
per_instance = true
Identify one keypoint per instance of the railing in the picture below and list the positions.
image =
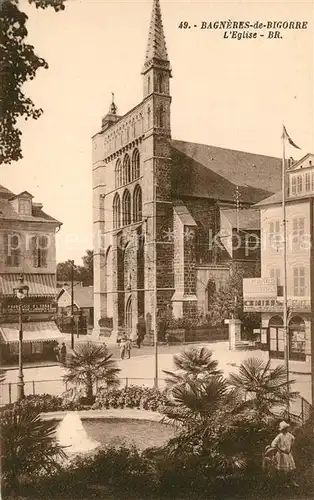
(300, 408)
(55, 387)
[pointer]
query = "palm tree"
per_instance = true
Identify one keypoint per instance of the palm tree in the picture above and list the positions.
(197, 400)
(29, 445)
(90, 364)
(192, 364)
(262, 389)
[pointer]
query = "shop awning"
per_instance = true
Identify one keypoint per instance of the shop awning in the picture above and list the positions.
(39, 284)
(42, 331)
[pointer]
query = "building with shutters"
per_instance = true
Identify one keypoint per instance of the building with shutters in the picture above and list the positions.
(166, 211)
(300, 265)
(27, 248)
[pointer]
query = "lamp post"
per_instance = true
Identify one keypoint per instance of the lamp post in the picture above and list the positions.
(20, 292)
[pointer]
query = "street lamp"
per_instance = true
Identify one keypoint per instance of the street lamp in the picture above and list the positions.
(20, 292)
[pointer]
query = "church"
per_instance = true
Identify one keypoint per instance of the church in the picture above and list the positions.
(171, 219)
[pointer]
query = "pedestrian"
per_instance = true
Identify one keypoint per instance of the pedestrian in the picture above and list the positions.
(63, 353)
(285, 464)
(140, 331)
(56, 350)
(128, 347)
(122, 346)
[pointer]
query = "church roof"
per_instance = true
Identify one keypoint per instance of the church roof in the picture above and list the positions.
(206, 171)
(248, 218)
(156, 45)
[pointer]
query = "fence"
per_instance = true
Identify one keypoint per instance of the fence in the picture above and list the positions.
(300, 408)
(55, 387)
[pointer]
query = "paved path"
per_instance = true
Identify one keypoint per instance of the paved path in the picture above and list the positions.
(140, 370)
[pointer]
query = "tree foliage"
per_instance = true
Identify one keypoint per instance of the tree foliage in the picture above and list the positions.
(19, 64)
(227, 302)
(89, 364)
(28, 445)
(195, 363)
(263, 389)
(80, 273)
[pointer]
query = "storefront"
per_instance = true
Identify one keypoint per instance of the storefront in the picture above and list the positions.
(272, 335)
(39, 309)
(39, 340)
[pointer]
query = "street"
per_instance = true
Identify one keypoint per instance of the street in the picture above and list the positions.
(140, 370)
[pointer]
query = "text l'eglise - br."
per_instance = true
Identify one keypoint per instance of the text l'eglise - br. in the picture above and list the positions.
(247, 29)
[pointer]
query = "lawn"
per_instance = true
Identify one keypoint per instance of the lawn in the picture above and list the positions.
(115, 432)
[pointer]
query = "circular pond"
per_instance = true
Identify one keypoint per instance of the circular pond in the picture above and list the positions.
(118, 431)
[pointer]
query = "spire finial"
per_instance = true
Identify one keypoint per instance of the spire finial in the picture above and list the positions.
(156, 46)
(113, 108)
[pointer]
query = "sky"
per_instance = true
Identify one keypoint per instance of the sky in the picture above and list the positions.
(226, 92)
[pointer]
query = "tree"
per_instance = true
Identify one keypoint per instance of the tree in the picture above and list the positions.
(227, 302)
(64, 270)
(86, 272)
(90, 364)
(80, 273)
(262, 389)
(192, 364)
(28, 445)
(19, 63)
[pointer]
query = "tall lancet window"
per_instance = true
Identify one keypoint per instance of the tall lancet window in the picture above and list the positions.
(137, 204)
(126, 208)
(160, 117)
(160, 83)
(116, 212)
(126, 169)
(149, 118)
(148, 85)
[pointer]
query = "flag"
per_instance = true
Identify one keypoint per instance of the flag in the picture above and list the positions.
(285, 135)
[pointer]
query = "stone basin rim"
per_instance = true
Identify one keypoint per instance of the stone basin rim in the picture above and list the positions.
(118, 413)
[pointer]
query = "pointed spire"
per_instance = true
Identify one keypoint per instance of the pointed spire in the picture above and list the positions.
(156, 46)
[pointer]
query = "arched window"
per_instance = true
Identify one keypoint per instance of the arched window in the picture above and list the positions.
(135, 164)
(126, 169)
(148, 117)
(160, 83)
(276, 337)
(126, 208)
(297, 338)
(116, 212)
(137, 204)
(210, 292)
(133, 128)
(148, 85)
(118, 173)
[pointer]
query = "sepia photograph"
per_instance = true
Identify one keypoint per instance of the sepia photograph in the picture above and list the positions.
(157, 249)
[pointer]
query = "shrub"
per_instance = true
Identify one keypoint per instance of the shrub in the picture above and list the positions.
(43, 403)
(130, 397)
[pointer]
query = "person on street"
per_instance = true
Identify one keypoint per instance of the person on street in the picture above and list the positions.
(63, 353)
(122, 346)
(140, 331)
(128, 347)
(56, 350)
(283, 443)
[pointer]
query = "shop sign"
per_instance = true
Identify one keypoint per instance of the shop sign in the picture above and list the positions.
(269, 304)
(259, 287)
(11, 306)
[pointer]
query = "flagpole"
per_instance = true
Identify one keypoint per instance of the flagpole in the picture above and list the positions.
(285, 291)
